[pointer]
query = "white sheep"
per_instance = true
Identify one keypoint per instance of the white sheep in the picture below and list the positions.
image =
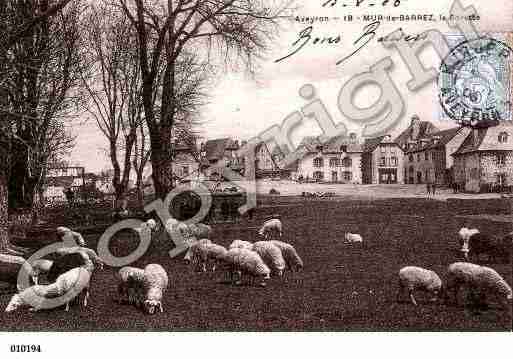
(175, 228)
(36, 296)
(205, 252)
(39, 267)
(270, 228)
(353, 238)
(480, 280)
(155, 285)
(416, 278)
(292, 259)
(241, 245)
(271, 255)
(241, 261)
(200, 230)
(130, 285)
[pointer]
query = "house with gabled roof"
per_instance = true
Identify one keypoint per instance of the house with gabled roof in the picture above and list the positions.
(382, 161)
(337, 160)
(416, 130)
(429, 158)
(220, 152)
(484, 161)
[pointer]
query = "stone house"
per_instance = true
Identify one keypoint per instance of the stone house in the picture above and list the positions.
(484, 162)
(416, 130)
(220, 152)
(429, 159)
(336, 161)
(382, 161)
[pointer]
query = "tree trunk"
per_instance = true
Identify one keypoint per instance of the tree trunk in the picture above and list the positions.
(4, 213)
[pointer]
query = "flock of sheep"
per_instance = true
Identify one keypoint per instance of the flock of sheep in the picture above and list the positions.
(258, 261)
(75, 264)
(480, 281)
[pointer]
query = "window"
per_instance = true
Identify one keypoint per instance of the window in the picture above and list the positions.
(343, 148)
(383, 162)
(501, 179)
(393, 161)
(318, 148)
(392, 150)
(501, 159)
(318, 162)
(318, 175)
(426, 156)
(410, 158)
(503, 137)
(185, 171)
(347, 162)
(383, 149)
(433, 156)
(418, 157)
(348, 176)
(334, 162)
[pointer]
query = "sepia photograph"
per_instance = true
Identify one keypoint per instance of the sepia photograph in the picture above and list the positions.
(290, 168)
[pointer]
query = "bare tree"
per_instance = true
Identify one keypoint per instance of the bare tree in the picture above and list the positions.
(234, 29)
(113, 85)
(28, 107)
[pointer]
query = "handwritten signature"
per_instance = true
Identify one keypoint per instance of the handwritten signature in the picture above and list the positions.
(306, 38)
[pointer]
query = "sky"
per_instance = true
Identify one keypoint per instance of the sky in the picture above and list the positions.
(242, 106)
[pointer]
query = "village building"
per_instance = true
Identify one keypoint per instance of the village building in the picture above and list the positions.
(220, 153)
(484, 162)
(61, 179)
(416, 130)
(382, 161)
(337, 161)
(429, 159)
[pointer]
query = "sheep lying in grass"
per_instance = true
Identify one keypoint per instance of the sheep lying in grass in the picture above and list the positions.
(241, 245)
(36, 296)
(155, 285)
(416, 278)
(481, 281)
(271, 228)
(130, 285)
(353, 238)
(271, 255)
(242, 261)
(292, 259)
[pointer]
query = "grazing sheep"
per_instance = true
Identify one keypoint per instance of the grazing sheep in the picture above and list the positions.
(242, 261)
(173, 227)
(130, 285)
(418, 278)
(10, 267)
(353, 238)
(200, 230)
(270, 228)
(480, 280)
(292, 259)
(152, 224)
(205, 252)
(36, 295)
(70, 237)
(241, 245)
(155, 284)
(473, 244)
(271, 255)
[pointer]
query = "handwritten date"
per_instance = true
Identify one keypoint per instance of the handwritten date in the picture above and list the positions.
(361, 3)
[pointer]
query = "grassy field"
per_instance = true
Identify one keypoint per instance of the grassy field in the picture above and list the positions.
(342, 288)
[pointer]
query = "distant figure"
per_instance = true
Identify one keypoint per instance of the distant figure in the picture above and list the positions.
(428, 188)
(433, 188)
(69, 196)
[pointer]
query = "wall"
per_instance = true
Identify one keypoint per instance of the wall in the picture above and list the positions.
(387, 150)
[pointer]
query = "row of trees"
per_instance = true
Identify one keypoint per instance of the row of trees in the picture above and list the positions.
(139, 68)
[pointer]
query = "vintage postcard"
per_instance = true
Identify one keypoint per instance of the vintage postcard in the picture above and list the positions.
(255, 165)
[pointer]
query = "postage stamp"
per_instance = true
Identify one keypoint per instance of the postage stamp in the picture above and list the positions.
(475, 81)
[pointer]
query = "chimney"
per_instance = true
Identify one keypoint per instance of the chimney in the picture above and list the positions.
(415, 127)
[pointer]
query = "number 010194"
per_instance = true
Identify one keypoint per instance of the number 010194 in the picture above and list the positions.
(25, 348)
